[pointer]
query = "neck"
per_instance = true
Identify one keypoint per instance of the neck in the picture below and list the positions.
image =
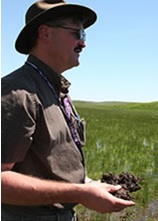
(52, 63)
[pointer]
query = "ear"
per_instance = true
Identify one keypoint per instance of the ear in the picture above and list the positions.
(44, 33)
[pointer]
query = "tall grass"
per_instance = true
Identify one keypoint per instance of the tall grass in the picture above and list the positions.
(123, 137)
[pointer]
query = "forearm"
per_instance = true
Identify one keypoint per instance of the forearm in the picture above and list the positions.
(18, 189)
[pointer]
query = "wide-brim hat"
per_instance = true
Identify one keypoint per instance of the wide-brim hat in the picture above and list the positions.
(41, 11)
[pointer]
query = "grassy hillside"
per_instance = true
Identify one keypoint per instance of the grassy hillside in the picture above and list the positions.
(113, 104)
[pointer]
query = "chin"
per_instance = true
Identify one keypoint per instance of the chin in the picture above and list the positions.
(77, 63)
(73, 64)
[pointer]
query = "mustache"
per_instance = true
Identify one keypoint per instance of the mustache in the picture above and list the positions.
(78, 48)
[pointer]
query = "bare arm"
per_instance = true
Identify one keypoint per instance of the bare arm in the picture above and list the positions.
(19, 189)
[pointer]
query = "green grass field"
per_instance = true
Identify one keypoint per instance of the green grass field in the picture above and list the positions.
(123, 137)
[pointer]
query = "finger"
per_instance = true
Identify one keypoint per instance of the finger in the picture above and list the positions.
(121, 202)
(124, 202)
(112, 188)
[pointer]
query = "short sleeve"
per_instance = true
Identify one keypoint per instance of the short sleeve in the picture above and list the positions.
(18, 124)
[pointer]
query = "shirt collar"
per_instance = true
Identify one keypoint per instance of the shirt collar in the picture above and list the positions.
(59, 82)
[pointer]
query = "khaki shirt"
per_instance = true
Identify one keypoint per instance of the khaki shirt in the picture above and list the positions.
(35, 134)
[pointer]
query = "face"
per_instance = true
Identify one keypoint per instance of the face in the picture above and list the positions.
(65, 44)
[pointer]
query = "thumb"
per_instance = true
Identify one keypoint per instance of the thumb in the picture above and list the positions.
(112, 188)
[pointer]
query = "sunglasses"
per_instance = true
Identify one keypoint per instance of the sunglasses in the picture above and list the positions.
(79, 33)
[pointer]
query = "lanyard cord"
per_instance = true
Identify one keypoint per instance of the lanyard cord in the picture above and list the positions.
(66, 113)
(46, 80)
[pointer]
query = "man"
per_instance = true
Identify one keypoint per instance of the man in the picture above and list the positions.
(43, 171)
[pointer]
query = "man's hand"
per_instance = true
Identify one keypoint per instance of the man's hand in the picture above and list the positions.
(97, 196)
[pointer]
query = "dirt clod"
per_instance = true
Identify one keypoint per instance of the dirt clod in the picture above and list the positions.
(129, 182)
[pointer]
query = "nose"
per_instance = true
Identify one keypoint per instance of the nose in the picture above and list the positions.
(82, 43)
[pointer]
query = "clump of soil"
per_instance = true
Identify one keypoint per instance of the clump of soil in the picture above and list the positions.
(129, 182)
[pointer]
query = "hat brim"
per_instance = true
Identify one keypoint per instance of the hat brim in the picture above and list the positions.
(22, 42)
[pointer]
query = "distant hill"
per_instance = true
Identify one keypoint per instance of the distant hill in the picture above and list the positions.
(151, 106)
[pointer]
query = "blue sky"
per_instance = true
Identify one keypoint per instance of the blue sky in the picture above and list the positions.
(120, 62)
